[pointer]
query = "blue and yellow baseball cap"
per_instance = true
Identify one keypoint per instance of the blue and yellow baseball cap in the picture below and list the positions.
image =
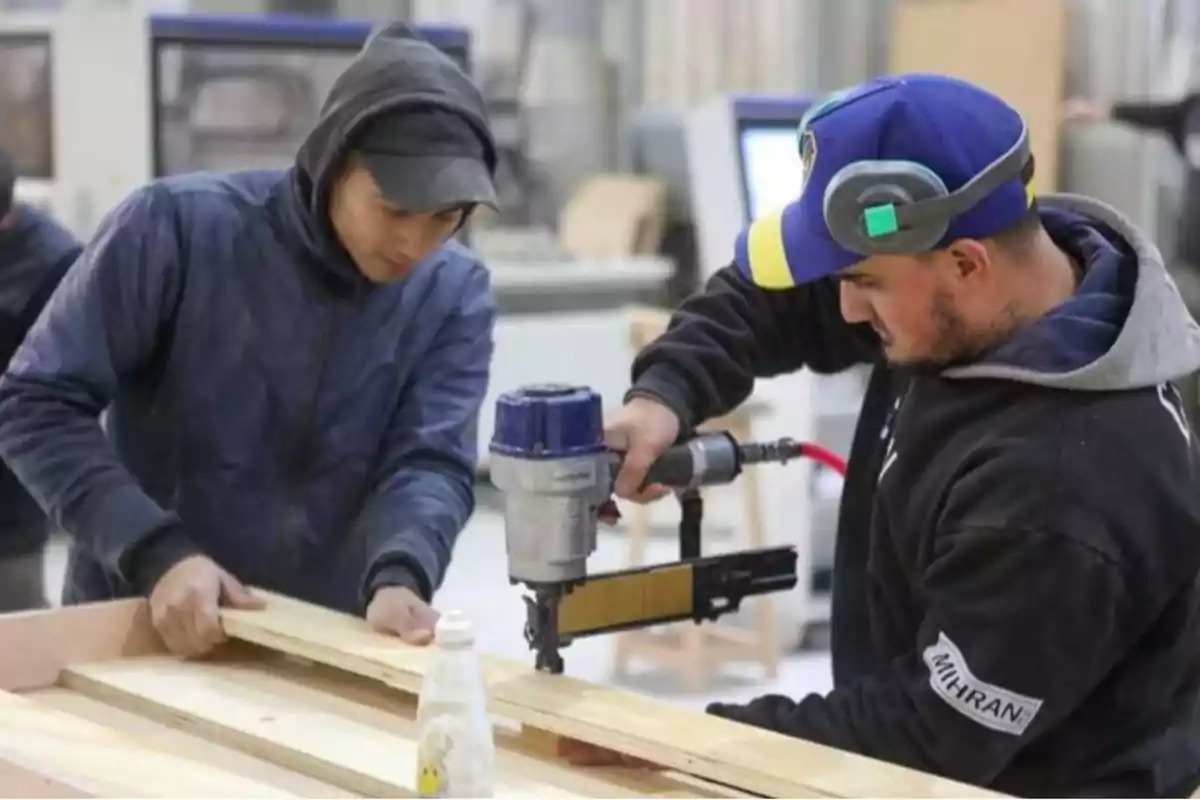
(949, 126)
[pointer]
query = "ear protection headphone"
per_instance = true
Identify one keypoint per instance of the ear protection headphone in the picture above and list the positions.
(902, 207)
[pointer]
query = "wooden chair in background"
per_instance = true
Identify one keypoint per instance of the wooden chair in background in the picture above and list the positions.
(695, 650)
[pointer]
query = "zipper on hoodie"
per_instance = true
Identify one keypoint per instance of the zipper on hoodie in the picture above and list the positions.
(290, 554)
(305, 451)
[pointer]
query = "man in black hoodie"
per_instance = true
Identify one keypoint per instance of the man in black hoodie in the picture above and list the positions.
(292, 363)
(1016, 591)
(35, 252)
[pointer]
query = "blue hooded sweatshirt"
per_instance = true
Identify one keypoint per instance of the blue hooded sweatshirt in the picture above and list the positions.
(313, 433)
(35, 253)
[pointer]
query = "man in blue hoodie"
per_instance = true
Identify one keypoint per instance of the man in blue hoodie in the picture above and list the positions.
(292, 364)
(35, 252)
(1016, 588)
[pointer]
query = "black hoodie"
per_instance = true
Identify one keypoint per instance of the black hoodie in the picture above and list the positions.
(1016, 589)
(312, 432)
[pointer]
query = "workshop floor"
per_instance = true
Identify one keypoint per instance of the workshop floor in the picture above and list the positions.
(478, 584)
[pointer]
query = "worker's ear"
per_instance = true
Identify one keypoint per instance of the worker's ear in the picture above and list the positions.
(467, 211)
(970, 258)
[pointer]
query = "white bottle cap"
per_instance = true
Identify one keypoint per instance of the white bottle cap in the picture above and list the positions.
(454, 629)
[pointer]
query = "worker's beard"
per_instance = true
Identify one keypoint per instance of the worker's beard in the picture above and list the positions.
(955, 342)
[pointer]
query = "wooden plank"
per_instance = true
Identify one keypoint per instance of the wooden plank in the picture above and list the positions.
(273, 720)
(164, 735)
(38, 644)
(689, 741)
(18, 781)
(511, 736)
(102, 762)
(279, 715)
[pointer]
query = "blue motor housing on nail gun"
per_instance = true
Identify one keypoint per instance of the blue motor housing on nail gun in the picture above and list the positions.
(549, 462)
(548, 421)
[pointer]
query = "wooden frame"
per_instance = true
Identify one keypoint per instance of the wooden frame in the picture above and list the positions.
(310, 703)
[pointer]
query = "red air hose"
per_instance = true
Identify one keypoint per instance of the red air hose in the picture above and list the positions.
(823, 455)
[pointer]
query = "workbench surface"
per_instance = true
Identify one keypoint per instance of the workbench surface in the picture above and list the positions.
(304, 702)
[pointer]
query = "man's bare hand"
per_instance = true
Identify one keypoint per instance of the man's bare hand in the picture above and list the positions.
(184, 603)
(398, 610)
(642, 430)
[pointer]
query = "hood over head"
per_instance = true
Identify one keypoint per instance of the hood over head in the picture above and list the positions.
(1126, 327)
(395, 71)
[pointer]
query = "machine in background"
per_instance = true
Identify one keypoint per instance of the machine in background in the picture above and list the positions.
(163, 94)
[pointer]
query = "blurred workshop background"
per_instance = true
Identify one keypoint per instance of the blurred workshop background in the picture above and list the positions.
(638, 136)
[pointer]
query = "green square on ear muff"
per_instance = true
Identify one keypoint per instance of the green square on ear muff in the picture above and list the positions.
(881, 220)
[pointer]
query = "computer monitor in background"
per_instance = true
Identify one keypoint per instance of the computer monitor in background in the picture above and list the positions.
(743, 157)
(27, 111)
(100, 98)
(771, 172)
(242, 91)
(722, 164)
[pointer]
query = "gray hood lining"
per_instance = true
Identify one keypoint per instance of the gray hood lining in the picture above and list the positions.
(1159, 341)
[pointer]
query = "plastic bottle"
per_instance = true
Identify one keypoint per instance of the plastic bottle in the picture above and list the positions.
(456, 747)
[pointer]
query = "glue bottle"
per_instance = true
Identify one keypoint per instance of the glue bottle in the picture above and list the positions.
(456, 747)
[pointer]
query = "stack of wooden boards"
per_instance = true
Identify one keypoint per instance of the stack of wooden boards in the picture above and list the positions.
(304, 702)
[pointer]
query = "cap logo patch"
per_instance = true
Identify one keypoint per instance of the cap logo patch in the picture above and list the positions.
(808, 157)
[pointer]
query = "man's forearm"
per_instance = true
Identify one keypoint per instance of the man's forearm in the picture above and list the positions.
(411, 525)
(664, 385)
(155, 555)
(63, 458)
(877, 717)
